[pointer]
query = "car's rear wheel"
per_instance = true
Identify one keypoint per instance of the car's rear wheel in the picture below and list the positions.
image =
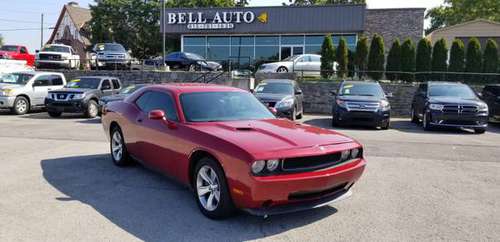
(480, 130)
(119, 153)
(92, 109)
(282, 69)
(385, 125)
(426, 123)
(414, 118)
(192, 67)
(293, 115)
(21, 106)
(54, 114)
(211, 191)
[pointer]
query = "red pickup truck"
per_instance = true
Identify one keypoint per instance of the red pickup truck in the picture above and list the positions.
(17, 52)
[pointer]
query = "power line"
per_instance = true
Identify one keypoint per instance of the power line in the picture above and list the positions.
(21, 21)
(22, 29)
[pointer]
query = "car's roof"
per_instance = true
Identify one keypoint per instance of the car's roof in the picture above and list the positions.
(277, 81)
(444, 83)
(196, 87)
(38, 72)
(361, 82)
(98, 77)
(58, 45)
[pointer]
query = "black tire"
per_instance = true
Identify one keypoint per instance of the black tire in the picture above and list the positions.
(21, 106)
(426, 123)
(92, 109)
(124, 158)
(225, 207)
(299, 116)
(335, 122)
(480, 130)
(293, 115)
(385, 125)
(55, 114)
(282, 69)
(414, 118)
(191, 68)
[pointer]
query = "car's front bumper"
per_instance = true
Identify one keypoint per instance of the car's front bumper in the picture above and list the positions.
(7, 102)
(49, 63)
(74, 106)
(284, 112)
(477, 120)
(361, 117)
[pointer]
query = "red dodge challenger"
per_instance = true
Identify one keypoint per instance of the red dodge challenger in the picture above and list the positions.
(231, 150)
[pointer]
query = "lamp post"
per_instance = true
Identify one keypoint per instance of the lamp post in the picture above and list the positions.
(162, 28)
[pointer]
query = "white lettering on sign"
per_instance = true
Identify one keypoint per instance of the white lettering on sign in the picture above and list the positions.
(220, 20)
(210, 26)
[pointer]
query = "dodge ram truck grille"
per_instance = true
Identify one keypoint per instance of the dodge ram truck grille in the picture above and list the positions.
(311, 162)
(49, 57)
(460, 109)
(362, 106)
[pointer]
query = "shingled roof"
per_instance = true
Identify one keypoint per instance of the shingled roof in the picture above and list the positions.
(80, 17)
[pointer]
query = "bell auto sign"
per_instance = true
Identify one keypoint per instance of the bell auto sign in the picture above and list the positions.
(218, 20)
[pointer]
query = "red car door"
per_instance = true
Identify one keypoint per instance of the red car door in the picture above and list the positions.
(158, 145)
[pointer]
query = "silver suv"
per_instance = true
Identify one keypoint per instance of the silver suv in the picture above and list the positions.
(20, 91)
(110, 55)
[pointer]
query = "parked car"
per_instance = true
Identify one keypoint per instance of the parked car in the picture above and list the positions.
(21, 91)
(283, 95)
(17, 52)
(57, 56)
(307, 64)
(190, 62)
(110, 55)
(449, 104)
(125, 92)
(10, 66)
(361, 103)
(491, 95)
(82, 95)
(231, 150)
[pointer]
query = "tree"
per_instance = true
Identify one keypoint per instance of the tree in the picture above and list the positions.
(342, 58)
(490, 59)
(393, 61)
(376, 58)
(424, 58)
(439, 59)
(1, 40)
(473, 59)
(361, 55)
(408, 60)
(457, 59)
(350, 65)
(324, 2)
(327, 57)
(458, 11)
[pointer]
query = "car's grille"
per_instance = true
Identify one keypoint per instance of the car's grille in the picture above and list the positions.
(362, 106)
(311, 162)
(62, 96)
(49, 57)
(318, 194)
(461, 109)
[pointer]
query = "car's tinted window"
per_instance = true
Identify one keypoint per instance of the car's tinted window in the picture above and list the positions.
(84, 82)
(494, 90)
(277, 88)
(142, 101)
(9, 48)
(361, 89)
(116, 84)
(23, 50)
(15, 78)
(315, 58)
(162, 101)
(104, 84)
(451, 90)
(57, 80)
(43, 80)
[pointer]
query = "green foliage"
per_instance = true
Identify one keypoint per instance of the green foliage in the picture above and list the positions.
(457, 60)
(342, 58)
(376, 58)
(490, 59)
(439, 59)
(458, 11)
(324, 2)
(473, 60)
(361, 55)
(327, 57)
(393, 61)
(1, 40)
(408, 60)
(350, 66)
(424, 58)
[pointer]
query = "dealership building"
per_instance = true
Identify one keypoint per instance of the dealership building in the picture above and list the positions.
(252, 35)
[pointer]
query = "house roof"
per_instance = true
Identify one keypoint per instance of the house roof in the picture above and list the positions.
(80, 16)
(463, 24)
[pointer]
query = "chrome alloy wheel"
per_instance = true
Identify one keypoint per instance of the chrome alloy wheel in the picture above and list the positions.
(208, 188)
(21, 106)
(93, 110)
(117, 146)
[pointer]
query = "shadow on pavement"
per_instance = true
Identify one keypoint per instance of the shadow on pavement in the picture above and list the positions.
(152, 208)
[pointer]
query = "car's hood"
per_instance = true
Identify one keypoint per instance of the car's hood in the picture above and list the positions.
(10, 86)
(74, 90)
(53, 53)
(117, 97)
(271, 97)
(111, 53)
(264, 136)
(454, 100)
(360, 98)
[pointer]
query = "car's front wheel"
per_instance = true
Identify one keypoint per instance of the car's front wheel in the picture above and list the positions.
(92, 109)
(426, 123)
(55, 114)
(119, 153)
(282, 69)
(480, 130)
(211, 191)
(21, 106)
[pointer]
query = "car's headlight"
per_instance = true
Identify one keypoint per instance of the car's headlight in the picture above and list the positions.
(350, 154)
(438, 107)
(263, 167)
(258, 166)
(6, 92)
(285, 103)
(385, 105)
(50, 96)
(78, 96)
(483, 107)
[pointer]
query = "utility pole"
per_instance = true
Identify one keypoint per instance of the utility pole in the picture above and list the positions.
(41, 33)
(162, 27)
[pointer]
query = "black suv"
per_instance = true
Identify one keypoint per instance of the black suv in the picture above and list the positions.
(491, 95)
(362, 103)
(283, 95)
(449, 104)
(82, 95)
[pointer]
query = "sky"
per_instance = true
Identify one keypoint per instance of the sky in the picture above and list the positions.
(20, 20)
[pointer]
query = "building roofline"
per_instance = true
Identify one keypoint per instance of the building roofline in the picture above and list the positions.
(462, 24)
(259, 7)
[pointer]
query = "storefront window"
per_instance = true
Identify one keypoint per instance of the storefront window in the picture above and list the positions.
(242, 40)
(218, 40)
(218, 53)
(292, 40)
(195, 40)
(200, 50)
(313, 49)
(315, 39)
(267, 40)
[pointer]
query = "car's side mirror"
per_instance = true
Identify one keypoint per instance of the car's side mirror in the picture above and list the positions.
(480, 95)
(298, 92)
(389, 95)
(273, 110)
(157, 115)
(252, 90)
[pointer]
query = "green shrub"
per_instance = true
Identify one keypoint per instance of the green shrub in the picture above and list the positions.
(473, 60)
(376, 58)
(361, 56)
(490, 59)
(439, 60)
(424, 58)
(408, 60)
(327, 57)
(457, 60)
(342, 58)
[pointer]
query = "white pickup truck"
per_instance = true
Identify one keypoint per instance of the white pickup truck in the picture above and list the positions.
(57, 56)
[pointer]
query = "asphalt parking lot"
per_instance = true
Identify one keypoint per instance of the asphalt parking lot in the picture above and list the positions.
(57, 183)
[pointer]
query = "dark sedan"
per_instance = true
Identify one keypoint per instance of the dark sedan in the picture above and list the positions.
(190, 62)
(449, 104)
(121, 95)
(491, 95)
(283, 95)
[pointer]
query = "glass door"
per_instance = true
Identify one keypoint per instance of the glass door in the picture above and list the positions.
(290, 50)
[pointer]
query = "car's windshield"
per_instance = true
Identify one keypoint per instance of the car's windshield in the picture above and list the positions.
(193, 56)
(110, 47)
(222, 106)
(91, 83)
(15, 78)
(361, 89)
(55, 48)
(275, 88)
(9, 48)
(130, 89)
(451, 90)
(291, 58)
